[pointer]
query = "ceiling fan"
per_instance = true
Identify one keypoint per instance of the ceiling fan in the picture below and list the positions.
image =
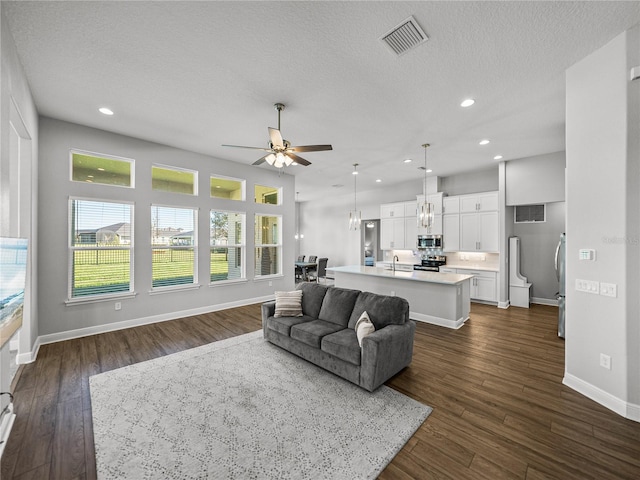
(281, 153)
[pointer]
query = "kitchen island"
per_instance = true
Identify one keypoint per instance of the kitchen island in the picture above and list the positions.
(439, 298)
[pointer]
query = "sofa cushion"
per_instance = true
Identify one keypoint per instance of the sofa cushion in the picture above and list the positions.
(337, 305)
(288, 304)
(311, 333)
(283, 324)
(312, 296)
(383, 310)
(344, 345)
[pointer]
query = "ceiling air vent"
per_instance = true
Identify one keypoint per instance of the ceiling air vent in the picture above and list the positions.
(405, 36)
(529, 213)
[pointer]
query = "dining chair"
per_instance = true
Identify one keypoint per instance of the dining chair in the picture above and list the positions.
(321, 272)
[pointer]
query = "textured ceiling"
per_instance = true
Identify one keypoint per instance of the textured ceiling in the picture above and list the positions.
(195, 75)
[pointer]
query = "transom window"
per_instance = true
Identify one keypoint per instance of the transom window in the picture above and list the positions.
(227, 188)
(227, 246)
(100, 248)
(173, 246)
(174, 180)
(102, 169)
(268, 195)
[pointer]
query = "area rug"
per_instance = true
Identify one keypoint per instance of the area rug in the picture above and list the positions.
(244, 408)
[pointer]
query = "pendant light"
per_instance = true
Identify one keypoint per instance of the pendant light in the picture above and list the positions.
(355, 216)
(425, 208)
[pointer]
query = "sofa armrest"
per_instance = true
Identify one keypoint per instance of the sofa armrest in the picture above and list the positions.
(385, 352)
(268, 309)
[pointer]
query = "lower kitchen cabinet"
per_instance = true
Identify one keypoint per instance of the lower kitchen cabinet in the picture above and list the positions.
(483, 285)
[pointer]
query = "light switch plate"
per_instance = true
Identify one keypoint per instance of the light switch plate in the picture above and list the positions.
(587, 286)
(609, 289)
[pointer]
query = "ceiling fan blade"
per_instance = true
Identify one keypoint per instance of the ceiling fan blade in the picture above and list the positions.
(297, 159)
(310, 148)
(252, 148)
(276, 137)
(261, 160)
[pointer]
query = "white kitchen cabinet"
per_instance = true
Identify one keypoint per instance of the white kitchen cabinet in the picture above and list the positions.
(483, 284)
(479, 202)
(451, 232)
(450, 205)
(392, 210)
(479, 232)
(410, 209)
(392, 233)
(447, 270)
(410, 233)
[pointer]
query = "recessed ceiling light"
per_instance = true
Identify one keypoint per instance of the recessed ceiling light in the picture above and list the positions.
(355, 172)
(467, 102)
(498, 157)
(429, 170)
(408, 160)
(484, 142)
(105, 111)
(378, 180)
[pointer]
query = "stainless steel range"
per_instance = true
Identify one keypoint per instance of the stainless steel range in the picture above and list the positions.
(431, 263)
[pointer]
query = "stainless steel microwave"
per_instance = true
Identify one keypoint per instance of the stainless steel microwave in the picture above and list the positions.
(429, 241)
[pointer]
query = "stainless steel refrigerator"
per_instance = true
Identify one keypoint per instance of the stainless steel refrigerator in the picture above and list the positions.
(561, 262)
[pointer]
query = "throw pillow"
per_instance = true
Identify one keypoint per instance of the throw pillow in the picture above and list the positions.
(288, 304)
(364, 327)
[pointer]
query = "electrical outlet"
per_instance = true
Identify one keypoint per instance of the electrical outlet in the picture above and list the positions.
(587, 286)
(118, 306)
(609, 289)
(605, 361)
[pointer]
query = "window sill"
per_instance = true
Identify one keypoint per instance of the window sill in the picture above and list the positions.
(102, 298)
(267, 277)
(175, 288)
(222, 283)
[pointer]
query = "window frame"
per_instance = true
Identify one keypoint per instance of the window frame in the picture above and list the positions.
(79, 151)
(179, 286)
(242, 246)
(279, 191)
(176, 169)
(278, 246)
(71, 249)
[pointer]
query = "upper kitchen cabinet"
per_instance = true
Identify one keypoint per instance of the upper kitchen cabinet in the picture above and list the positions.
(450, 205)
(392, 233)
(392, 210)
(479, 202)
(479, 232)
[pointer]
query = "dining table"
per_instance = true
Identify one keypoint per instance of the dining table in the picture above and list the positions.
(304, 266)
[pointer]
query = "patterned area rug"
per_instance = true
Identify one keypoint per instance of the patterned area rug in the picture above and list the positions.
(244, 408)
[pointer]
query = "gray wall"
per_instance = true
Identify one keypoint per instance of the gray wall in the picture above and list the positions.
(538, 179)
(603, 185)
(471, 182)
(537, 252)
(56, 139)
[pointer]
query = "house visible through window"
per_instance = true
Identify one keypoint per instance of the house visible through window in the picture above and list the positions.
(103, 169)
(173, 246)
(267, 245)
(227, 246)
(100, 248)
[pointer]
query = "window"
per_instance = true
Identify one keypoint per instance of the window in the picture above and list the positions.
(267, 245)
(173, 246)
(529, 213)
(174, 180)
(227, 242)
(100, 248)
(102, 169)
(270, 195)
(227, 188)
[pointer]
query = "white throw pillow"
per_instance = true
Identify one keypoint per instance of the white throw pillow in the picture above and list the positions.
(364, 327)
(288, 304)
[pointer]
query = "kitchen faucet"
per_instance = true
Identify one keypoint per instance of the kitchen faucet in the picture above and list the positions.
(395, 257)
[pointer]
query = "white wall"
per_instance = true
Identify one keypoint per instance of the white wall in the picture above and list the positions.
(57, 319)
(602, 213)
(538, 179)
(15, 99)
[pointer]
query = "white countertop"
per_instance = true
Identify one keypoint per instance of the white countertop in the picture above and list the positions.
(416, 275)
(472, 267)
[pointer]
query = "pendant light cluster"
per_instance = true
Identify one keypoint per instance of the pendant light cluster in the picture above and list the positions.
(355, 215)
(425, 208)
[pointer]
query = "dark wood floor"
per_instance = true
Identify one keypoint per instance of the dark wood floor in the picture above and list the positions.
(500, 409)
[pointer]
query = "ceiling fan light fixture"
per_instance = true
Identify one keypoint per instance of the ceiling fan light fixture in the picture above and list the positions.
(270, 159)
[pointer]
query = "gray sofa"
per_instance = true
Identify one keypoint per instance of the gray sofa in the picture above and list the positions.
(325, 334)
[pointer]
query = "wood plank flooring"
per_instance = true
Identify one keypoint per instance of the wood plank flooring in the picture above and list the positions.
(500, 409)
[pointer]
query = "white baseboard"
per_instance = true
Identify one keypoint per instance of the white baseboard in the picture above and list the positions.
(136, 322)
(625, 409)
(504, 304)
(544, 301)
(442, 322)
